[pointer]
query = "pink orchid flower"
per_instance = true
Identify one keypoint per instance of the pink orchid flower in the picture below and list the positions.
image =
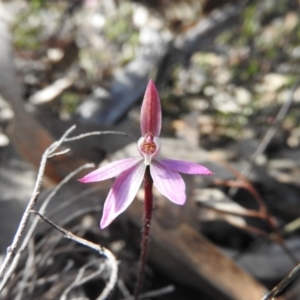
(130, 171)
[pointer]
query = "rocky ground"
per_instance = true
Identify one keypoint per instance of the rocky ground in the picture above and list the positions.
(229, 85)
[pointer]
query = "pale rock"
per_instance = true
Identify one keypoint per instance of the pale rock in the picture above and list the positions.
(140, 16)
(223, 76)
(210, 58)
(55, 54)
(290, 21)
(225, 103)
(210, 90)
(243, 96)
(4, 140)
(297, 95)
(191, 80)
(199, 104)
(273, 82)
(98, 21)
(6, 114)
(295, 53)
(283, 95)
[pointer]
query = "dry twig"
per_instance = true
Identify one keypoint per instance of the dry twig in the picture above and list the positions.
(263, 213)
(11, 250)
(102, 251)
(278, 120)
(14, 251)
(156, 293)
(283, 283)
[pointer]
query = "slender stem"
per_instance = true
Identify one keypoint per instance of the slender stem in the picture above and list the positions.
(148, 205)
(12, 249)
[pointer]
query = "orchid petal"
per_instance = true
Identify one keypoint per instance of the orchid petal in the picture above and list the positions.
(185, 167)
(168, 182)
(151, 111)
(122, 193)
(111, 170)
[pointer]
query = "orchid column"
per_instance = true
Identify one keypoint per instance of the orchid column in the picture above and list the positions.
(149, 165)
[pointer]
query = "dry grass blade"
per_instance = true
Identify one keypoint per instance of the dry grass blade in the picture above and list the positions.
(243, 182)
(270, 133)
(156, 293)
(283, 283)
(272, 130)
(80, 279)
(27, 271)
(30, 231)
(102, 251)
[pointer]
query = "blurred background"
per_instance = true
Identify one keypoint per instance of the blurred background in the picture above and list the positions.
(228, 77)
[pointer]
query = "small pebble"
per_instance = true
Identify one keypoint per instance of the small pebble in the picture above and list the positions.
(4, 140)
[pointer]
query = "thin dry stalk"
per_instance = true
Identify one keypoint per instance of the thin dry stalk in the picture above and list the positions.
(77, 197)
(278, 120)
(102, 251)
(243, 182)
(283, 283)
(27, 270)
(33, 225)
(156, 293)
(271, 132)
(84, 135)
(80, 279)
(11, 250)
(14, 252)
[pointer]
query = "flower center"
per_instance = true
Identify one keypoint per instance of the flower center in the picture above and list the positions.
(148, 146)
